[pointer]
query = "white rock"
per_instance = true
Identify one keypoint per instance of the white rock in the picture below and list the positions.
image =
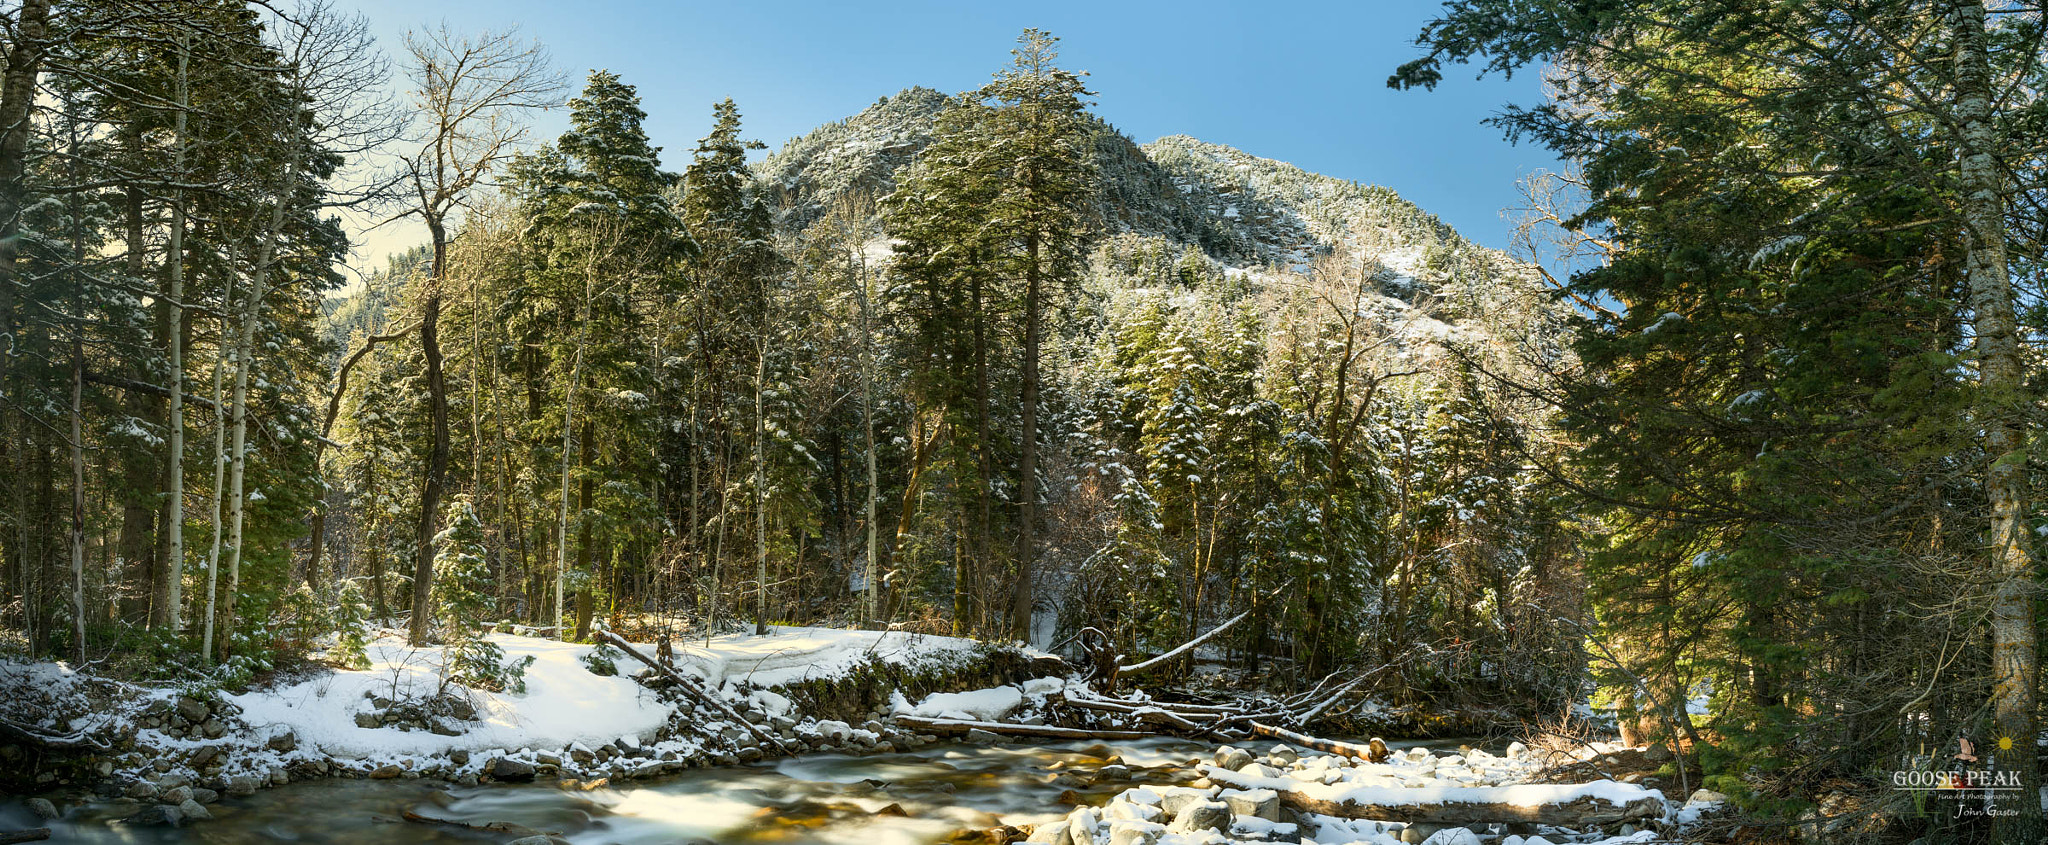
(1050, 833)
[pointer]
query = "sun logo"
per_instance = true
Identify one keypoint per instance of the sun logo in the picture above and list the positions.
(2005, 743)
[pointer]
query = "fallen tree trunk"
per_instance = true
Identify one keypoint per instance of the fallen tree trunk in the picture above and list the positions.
(690, 686)
(960, 727)
(1149, 712)
(1573, 806)
(1373, 752)
(34, 834)
(41, 738)
(492, 827)
(1183, 648)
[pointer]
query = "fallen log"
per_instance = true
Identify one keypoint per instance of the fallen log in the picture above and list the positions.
(490, 827)
(31, 735)
(690, 686)
(1148, 712)
(960, 727)
(1576, 806)
(33, 834)
(1373, 752)
(1183, 648)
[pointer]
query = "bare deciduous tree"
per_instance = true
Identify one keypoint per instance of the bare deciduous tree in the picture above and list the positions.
(471, 92)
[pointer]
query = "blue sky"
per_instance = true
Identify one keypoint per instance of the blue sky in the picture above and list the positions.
(1299, 82)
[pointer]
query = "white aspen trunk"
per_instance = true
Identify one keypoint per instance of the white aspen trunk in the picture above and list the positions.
(872, 603)
(220, 465)
(238, 403)
(2002, 410)
(174, 471)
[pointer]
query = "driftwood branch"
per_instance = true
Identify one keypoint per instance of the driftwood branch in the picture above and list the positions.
(1183, 648)
(1372, 752)
(33, 834)
(960, 727)
(693, 689)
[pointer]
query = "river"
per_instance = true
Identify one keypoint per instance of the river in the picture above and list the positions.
(817, 799)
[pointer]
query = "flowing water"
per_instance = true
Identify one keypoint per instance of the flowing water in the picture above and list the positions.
(911, 798)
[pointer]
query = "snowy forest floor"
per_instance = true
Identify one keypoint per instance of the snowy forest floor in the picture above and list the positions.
(587, 716)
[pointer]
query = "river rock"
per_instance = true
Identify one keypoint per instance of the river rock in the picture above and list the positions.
(386, 771)
(155, 815)
(1050, 833)
(978, 736)
(1112, 772)
(458, 756)
(1416, 834)
(1208, 815)
(204, 796)
(369, 720)
(546, 759)
(1231, 758)
(1134, 832)
(243, 785)
(194, 811)
(1176, 799)
(1258, 803)
(1259, 770)
(1451, 836)
(283, 742)
(192, 709)
(43, 809)
(506, 768)
(1282, 755)
(140, 790)
(175, 795)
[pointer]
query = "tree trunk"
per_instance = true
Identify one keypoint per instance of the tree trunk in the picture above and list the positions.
(220, 463)
(437, 457)
(872, 601)
(77, 491)
(245, 353)
(760, 488)
(585, 601)
(136, 547)
(2002, 413)
(568, 451)
(1022, 593)
(170, 612)
(17, 98)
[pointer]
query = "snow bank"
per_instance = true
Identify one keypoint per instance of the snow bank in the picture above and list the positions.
(789, 655)
(982, 705)
(563, 703)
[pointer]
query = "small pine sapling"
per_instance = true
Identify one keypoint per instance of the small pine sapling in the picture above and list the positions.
(351, 628)
(462, 597)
